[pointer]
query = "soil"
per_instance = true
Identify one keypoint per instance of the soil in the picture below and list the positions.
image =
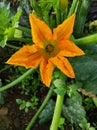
(11, 118)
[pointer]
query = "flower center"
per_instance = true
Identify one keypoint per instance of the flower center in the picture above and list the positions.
(49, 48)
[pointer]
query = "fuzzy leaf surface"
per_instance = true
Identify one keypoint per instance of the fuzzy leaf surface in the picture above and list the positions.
(85, 68)
(47, 113)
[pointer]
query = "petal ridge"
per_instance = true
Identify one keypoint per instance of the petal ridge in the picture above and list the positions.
(65, 29)
(46, 70)
(64, 65)
(40, 30)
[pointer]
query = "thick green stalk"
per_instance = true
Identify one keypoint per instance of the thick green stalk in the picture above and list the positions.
(18, 80)
(73, 7)
(86, 40)
(57, 112)
(40, 109)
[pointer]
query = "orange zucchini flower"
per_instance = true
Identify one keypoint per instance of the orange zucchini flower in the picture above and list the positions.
(50, 49)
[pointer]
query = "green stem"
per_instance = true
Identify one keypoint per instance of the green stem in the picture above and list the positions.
(36, 8)
(5, 68)
(24, 29)
(12, 46)
(26, 40)
(95, 101)
(58, 17)
(81, 17)
(41, 108)
(18, 80)
(73, 7)
(86, 40)
(57, 112)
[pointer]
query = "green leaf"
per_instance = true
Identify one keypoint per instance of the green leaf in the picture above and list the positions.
(61, 123)
(15, 19)
(75, 96)
(26, 109)
(5, 18)
(7, 25)
(73, 92)
(92, 128)
(10, 32)
(73, 111)
(3, 40)
(19, 101)
(36, 7)
(59, 83)
(85, 68)
(95, 101)
(91, 85)
(28, 104)
(60, 86)
(22, 106)
(59, 75)
(1, 31)
(75, 86)
(47, 113)
(60, 91)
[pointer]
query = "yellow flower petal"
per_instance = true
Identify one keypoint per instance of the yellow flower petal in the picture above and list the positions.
(40, 30)
(63, 64)
(65, 29)
(46, 70)
(26, 56)
(69, 49)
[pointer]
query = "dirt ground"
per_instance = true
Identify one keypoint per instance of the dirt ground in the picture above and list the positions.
(11, 118)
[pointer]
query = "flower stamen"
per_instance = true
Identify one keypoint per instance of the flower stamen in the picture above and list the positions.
(49, 48)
